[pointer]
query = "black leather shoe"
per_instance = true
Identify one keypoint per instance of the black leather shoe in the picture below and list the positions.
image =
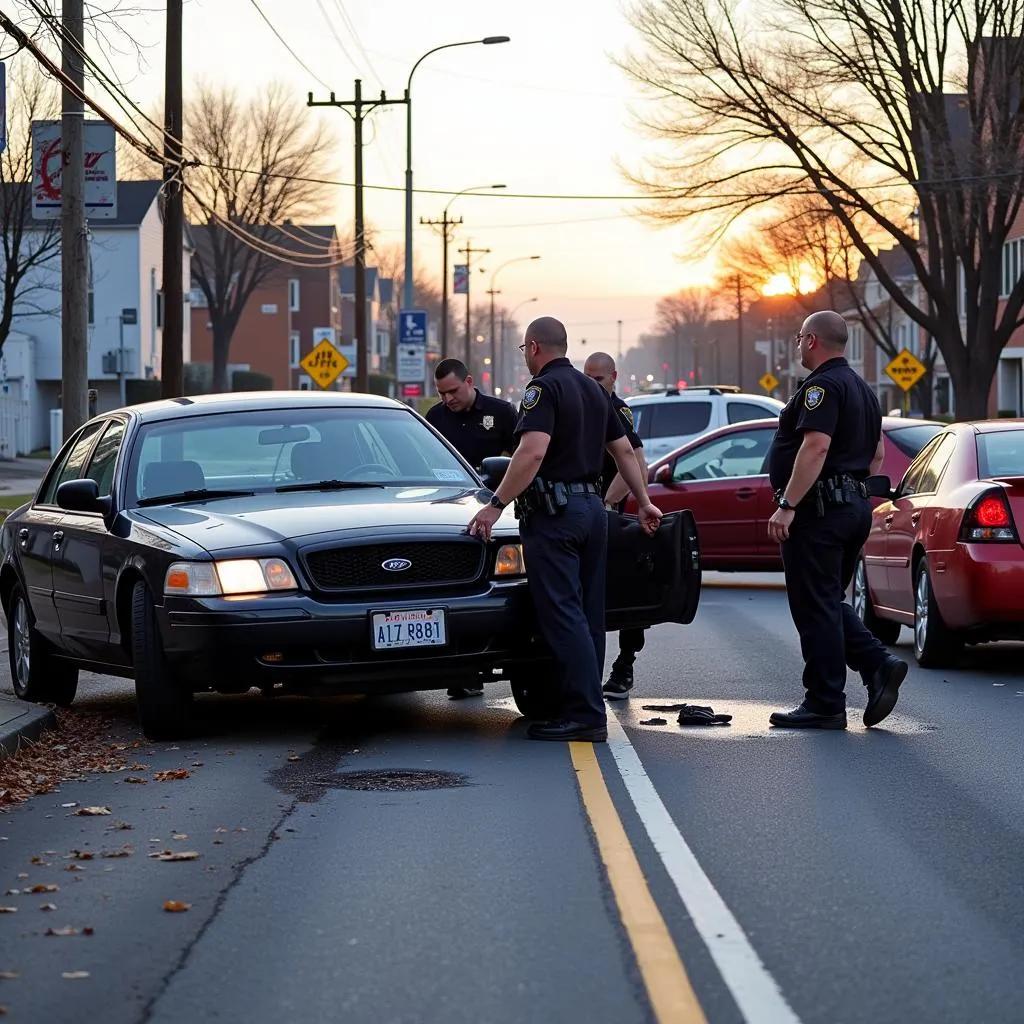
(801, 718)
(884, 689)
(565, 730)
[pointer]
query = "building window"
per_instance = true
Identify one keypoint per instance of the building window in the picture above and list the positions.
(1013, 266)
(293, 295)
(159, 310)
(856, 344)
(293, 348)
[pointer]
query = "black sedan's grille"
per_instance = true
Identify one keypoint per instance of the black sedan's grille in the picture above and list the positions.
(430, 563)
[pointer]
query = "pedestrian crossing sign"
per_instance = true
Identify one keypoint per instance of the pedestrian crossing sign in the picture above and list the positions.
(769, 382)
(324, 364)
(906, 369)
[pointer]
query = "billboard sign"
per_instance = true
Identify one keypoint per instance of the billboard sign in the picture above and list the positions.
(460, 279)
(100, 170)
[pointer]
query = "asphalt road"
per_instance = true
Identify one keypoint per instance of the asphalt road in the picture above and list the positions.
(863, 877)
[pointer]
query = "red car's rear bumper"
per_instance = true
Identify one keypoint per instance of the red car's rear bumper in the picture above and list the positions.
(982, 585)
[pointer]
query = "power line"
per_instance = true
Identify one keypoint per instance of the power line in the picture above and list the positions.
(282, 41)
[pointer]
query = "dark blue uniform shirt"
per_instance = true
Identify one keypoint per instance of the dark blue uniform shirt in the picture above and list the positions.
(574, 411)
(484, 430)
(835, 400)
(609, 469)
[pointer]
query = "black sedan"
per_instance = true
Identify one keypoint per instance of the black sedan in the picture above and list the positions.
(302, 543)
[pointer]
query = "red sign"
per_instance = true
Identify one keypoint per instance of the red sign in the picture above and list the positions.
(412, 390)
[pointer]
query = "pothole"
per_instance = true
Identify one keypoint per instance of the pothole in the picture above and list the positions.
(395, 779)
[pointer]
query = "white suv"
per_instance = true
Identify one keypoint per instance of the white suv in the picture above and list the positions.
(669, 419)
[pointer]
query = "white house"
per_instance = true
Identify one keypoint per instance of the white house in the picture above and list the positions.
(125, 318)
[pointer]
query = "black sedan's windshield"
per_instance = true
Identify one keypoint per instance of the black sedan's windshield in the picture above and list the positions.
(294, 449)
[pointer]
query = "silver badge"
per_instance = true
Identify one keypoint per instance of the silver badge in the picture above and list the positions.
(488, 422)
(396, 564)
(813, 397)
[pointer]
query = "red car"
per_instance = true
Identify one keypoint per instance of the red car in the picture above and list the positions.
(722, 477)
(944, 555)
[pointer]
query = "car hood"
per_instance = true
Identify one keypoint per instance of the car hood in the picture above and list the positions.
(266, 519)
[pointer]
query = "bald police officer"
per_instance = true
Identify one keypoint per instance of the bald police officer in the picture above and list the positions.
(477, 426)
(566, 423)
(601, 367)
(829, 441)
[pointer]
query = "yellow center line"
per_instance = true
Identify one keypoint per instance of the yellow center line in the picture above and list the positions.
(665, 978)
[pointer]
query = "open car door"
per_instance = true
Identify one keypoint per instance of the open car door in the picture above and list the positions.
(652, 579)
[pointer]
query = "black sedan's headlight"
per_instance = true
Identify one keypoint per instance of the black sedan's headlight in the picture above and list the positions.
(230, 577)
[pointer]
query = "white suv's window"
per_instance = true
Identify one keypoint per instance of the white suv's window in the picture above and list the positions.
(670, 419)
(740, 411)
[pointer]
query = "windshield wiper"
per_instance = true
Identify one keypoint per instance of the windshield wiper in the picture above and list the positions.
(327, 485)
(202, 494)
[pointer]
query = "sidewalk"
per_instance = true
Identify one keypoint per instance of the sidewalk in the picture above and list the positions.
(21, 475)
(18, 719)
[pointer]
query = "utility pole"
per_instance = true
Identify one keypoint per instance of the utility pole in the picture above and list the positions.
(74, 232)
(447, 233)
(172, 343)
(469, 250)
(360, 108)
(494, 345)
(739, 331)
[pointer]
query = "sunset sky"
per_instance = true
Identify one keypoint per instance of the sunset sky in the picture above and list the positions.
(546, 113)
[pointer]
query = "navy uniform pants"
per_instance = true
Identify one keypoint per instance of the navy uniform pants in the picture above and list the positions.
(631, 643)
(819, 559)
(565, 557)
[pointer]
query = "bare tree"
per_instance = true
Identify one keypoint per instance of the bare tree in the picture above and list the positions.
(257, 165)
(682, 320)
(854, 101)
(27, 244)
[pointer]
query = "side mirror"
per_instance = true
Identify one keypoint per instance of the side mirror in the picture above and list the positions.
(493, 469)
(664, 475)
(880, 487)
(82, 496)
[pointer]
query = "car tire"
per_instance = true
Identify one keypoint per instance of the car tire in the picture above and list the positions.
(884, 630)
(36, 675)
(536, 693)
(164, 704)
(935, 644)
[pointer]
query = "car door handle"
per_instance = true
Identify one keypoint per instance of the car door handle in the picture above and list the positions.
(23, 536)
(888, 519)
(745, 493)
(914, 516)
(58, 536)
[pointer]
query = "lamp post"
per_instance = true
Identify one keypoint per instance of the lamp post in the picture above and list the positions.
(445, 224)
(494, 340)
(511, 319)
(407, 296)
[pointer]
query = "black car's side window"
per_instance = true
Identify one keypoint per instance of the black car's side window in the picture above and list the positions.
(101, 465)
(71, 467)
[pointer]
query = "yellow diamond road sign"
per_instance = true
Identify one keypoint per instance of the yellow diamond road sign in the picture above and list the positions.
(906, 369)
(324, 364)
(769, 382)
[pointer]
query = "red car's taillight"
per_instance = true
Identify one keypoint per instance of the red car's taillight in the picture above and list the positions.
(988, 518)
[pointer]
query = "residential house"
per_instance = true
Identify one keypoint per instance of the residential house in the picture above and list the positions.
(125, 318)
(1008, 389)
(380, 314)
(296, 303)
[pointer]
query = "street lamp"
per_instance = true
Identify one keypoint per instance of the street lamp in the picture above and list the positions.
(407, 296)
(511, 319)
(444, 262)
(492, 293)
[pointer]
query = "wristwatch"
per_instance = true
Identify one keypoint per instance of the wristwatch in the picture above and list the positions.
(782, 501)
(496, 502)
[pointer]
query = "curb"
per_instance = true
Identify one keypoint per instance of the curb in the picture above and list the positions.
(26, 722)
(731, 585)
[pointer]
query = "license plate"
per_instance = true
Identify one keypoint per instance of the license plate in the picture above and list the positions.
(410, 628)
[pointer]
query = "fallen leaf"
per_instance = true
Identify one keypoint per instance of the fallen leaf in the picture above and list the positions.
(8, 910)
(92, 811)
(138, 780)
(170, 776)
(167, 855)
(74, 867)
(8, 975)
(87, 931)
(75, 975)
(138, 767)
(23, 874)
(220, 829)
(45, 888)
(119, 826)
(293, 757)
(218, 842)
(176, 906)
(13, 892)
(197, 764)
(62, 932)
(36, 860)
(179, 835)
(125, 851)
(47, 906)
(82, 855)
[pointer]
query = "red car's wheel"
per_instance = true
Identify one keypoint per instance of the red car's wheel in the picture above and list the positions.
(885, 630)
(935, 644)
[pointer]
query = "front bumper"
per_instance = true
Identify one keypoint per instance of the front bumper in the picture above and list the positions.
(311, 645)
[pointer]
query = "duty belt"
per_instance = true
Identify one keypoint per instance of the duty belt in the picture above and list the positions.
(582, 488)
(833, 491)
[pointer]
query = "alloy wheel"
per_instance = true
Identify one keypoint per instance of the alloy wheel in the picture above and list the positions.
(921, 594)
(22, 641)
(860, 591)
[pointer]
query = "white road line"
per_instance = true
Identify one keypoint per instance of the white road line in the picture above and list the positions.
(756, 993)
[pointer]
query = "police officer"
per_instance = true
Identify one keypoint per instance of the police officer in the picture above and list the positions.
(828, 442)
(601, 367)
(478, 427)
(565, 425)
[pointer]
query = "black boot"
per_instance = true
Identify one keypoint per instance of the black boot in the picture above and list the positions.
(620, 682)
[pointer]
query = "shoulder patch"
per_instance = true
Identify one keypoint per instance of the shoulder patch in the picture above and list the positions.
(813, 397)
(627, 415)
(531, 396)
